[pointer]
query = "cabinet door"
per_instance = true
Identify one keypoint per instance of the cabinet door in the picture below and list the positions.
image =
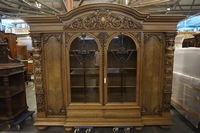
(84, 70)
(152, 77)
(121, 70)
(53, 71)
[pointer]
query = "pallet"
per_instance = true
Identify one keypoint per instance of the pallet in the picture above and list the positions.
(20, 119)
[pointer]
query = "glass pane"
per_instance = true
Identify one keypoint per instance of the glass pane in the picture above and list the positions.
(84, 76)
(122, 63)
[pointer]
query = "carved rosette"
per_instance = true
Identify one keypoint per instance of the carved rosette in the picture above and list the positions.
(37, 62)
(168, 75)
(103, 19)
(159, 36)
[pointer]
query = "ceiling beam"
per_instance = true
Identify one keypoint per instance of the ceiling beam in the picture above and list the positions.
(13, 14)
(42, 3)
(6, 3)
(63, 4)
(81, 2)
(20, 10)
(28, 6)
(143, 4)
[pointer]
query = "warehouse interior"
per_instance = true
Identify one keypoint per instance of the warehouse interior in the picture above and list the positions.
(25, 28)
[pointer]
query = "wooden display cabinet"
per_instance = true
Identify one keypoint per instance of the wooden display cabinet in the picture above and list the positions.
(192, 42)
(103, 65)
(12, 87)
(189, 42)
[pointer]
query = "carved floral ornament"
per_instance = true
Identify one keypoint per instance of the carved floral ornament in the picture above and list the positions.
(103, 19)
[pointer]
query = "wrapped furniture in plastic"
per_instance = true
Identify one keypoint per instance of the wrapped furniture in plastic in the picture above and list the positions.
(186, 83)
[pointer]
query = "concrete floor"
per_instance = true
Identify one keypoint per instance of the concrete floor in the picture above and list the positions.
(180, 124)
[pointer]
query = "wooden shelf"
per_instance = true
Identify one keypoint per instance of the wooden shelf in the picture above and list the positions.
(120, 86)
(82, 87)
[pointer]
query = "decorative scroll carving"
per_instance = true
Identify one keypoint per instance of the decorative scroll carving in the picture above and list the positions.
(11, 70)
(47, 36)
(103, 19)
(159, 36)
(103, 37)
(50, 111)
(137, 36)
(62, 111)
(145, 111)
(37, 59)
(67, 37)
(169, 58)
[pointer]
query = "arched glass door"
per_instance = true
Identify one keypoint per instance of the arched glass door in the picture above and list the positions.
(84, 70)
(121, 70)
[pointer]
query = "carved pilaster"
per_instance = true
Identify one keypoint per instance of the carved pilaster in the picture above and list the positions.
(38, 77)
(67, 37)
(168, 75)
(103, 36)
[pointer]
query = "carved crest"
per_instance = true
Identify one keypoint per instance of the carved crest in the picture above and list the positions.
(103, 19)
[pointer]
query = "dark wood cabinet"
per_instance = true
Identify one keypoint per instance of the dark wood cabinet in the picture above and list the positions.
(197, 38)
(192, 42)
(103, 65)
(189, 42)
(11, 39)
(12, 86)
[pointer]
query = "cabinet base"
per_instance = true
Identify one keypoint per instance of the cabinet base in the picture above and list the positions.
(138, 128)
(165, 127)
(41, 127)
(69, 129)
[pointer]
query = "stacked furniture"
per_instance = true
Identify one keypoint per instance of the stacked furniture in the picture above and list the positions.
(192, 42)
(103, 65)
(186, 83)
